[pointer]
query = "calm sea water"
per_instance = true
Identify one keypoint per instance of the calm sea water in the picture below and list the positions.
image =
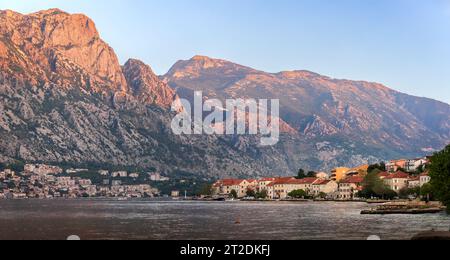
(108, 219)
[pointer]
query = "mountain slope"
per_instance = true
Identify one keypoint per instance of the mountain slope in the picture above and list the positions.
(322, 107)
(65, 98)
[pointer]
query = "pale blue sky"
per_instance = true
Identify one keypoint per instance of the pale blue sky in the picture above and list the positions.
(404, 44)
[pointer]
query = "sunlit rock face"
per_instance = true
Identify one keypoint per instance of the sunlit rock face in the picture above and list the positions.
(64, 97)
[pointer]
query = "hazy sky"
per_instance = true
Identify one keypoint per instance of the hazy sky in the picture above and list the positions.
(404, 44)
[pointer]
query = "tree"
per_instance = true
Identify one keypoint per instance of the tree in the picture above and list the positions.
(379, 166)
(311, 174)
(374, 187)
(322, 195)
(17, 166)
(301, 174)
(400, 169)
(233, 194)
(205, 190)
(298, 194)
(405, 193)
(427, 192)
(440, 176)
(421, 169)
(251, 193)
(262, 194)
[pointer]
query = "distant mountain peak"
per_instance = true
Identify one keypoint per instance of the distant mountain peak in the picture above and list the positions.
(298, 74)
(53, 46)
(58, 47)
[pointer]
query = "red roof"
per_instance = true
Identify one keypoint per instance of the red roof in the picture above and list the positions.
(425, 174)
(414, 178)
(322, 182)
(383, 174)
(283, 180)
(290, 180)
(267, 179)
(353, 179)
(303, 181)
(231, 182)
(398, 175)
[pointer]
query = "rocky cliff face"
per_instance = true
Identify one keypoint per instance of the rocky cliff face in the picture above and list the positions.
(65, 98)
(145, 85)
(54, 47)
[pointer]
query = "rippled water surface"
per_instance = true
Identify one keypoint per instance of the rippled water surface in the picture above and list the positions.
(109, 219)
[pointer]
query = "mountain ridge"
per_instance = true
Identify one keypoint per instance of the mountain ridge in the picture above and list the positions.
(64, 97)
(333, 106)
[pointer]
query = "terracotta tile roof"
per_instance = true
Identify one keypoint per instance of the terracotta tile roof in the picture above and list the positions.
(354, 179)
(398, 175)
(383, 174)
(231, 182)
(304, 181)
(290, 180)
(425, 174)
(267, 179)
(322, 182)
(284, 178)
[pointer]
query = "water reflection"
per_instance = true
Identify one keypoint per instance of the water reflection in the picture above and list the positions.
(110, 219)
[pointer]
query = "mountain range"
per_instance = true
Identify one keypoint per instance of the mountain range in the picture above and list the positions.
(64, 98)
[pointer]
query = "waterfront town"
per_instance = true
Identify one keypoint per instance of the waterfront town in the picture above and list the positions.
(46, 181)
(340, 184)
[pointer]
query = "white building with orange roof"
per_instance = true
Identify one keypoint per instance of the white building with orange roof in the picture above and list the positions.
(397, 181)
(226, 186)
(281, 187)
(349, 187)
(324, 186)
(383, 175)
(252, 184)
(263, 184)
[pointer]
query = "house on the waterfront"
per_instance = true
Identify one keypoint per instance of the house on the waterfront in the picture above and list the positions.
(397, 181)
(264, 183)
(324, 187)
(281, 188)
(349, 187)
(241, 187)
